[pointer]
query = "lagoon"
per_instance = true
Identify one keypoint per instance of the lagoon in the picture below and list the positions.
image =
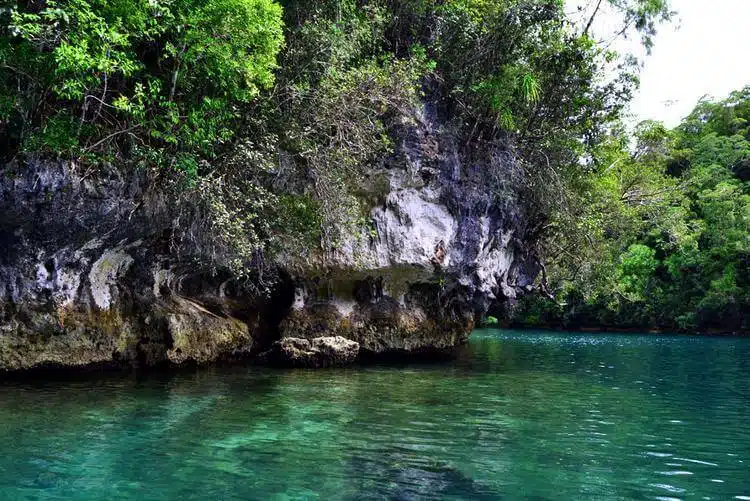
(514, 415)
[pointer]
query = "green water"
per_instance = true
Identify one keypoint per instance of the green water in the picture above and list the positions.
(517, 415)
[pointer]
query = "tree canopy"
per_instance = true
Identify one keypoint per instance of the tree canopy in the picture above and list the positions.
(267, 118)
(157, 82)
(668, 227)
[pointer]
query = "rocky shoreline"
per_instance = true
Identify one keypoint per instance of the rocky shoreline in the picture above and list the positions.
(89, 274)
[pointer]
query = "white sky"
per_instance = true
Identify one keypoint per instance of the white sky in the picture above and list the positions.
(704, 51)
(707, 51)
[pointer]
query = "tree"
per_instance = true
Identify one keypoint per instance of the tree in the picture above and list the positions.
(155, 81)
(668, 228)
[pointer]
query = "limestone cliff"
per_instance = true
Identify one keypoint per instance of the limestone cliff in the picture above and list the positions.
(88, 274)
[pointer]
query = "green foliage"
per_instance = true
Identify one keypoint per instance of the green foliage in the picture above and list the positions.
(58, 136)
(274, 122)
(636, 266)
(667, 230)
(157, 82)
(340, 95)
(637, 17)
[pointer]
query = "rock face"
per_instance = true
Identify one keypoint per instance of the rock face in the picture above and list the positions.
(88, 274)
(87, 277)
(449, 245)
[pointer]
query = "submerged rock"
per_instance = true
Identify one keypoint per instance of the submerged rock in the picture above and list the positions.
(317, 352)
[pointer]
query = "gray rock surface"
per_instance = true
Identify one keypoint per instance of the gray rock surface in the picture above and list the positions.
(450, 244)
(88, 274)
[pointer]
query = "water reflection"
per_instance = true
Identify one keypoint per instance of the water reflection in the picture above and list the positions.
(515, 416)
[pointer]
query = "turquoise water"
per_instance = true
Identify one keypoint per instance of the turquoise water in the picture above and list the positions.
(517, 415)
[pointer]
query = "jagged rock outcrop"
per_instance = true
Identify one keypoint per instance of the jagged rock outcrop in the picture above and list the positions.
(449, 244)
(88, 274)
(87, 277)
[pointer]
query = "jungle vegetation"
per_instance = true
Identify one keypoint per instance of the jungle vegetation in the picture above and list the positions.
(263, 118)
(661, 236)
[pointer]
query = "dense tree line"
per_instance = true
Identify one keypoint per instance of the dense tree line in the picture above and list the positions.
(662, 234)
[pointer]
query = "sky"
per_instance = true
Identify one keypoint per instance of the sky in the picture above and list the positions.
(706, 52)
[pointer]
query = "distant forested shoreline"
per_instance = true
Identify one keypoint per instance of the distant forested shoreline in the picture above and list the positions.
(666, 219)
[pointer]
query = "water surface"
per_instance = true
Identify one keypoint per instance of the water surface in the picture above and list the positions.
(517, 415)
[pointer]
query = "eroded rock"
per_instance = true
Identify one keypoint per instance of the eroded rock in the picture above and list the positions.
(381, 325)
(201, 336)
(105, 274)
(323, 351)
(89, 275)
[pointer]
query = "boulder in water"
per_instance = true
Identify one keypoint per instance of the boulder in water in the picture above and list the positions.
(317, 352)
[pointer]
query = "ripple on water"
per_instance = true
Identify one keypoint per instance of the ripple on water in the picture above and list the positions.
(669, 488)
(696, 461)
(511, 418)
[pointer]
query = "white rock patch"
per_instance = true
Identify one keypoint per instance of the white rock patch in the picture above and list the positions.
(103, 276)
